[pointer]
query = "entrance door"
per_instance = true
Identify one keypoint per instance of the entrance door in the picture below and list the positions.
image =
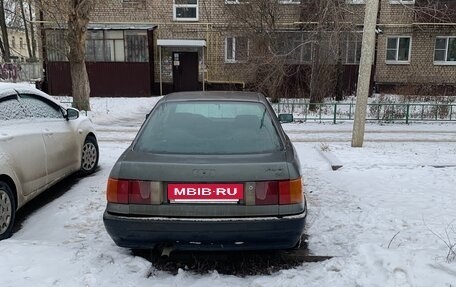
(185, 71)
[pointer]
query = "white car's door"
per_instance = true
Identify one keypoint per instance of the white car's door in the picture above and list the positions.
(22, 144)
(60, 142)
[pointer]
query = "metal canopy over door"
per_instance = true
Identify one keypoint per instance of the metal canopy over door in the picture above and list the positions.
(185, 71)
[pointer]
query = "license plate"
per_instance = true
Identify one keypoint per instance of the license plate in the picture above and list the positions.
(206, 193)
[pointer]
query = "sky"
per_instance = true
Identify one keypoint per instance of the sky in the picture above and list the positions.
(387, 217)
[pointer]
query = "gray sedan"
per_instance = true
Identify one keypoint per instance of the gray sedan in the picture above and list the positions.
(208, 171)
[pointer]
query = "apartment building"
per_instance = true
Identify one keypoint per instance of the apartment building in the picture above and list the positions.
(17, 44)
(143, 47)
(416, 46)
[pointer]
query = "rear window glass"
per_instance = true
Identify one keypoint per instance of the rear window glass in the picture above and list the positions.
(11, 109)
(209, 127)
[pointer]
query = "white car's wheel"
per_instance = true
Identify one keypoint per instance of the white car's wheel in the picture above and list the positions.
(90, 155)
(7, 210)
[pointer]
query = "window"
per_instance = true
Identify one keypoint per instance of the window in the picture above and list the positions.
(236, 49)
(21, 43)
(12, 109)
(398, 49)
(117, 46)
(103, 46)
(296, 47)
(402, 1)
(222, 127)
(445, 50)
(40, 108)
(136, 46)
(13, 42)
(56, 46)
(185, 10)
(351, 48)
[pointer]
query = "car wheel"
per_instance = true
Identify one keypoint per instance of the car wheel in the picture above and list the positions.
(7, 210)
(90, 155)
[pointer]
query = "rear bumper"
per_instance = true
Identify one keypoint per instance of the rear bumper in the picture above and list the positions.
(206, 234)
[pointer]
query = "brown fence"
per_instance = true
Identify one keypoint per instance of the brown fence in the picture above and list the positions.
(107, 79)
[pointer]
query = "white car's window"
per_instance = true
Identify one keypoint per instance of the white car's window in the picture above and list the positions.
(209, 127)
(11, 109)
(40, 108)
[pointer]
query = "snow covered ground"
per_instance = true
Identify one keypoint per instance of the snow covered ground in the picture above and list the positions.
(387, 215)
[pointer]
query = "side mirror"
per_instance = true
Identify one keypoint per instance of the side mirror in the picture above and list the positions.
(286, 118)
(72, 114)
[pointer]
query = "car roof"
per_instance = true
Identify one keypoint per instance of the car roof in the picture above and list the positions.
(216, 96)
(6, 89)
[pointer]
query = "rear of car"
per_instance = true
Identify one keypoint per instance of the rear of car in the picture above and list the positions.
(208, 171)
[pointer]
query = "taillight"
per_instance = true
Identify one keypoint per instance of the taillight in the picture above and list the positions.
(134, 191)
(281, 192)
(290, 192)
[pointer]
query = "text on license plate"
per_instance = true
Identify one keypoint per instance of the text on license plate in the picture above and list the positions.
(218, 192)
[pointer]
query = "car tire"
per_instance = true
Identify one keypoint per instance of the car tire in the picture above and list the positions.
(89, 156)
(7, 210)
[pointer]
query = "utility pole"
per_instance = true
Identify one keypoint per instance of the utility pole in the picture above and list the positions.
(365, 69)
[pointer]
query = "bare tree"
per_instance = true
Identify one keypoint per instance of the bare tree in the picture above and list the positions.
(26, 30)
(293, 58)
(32, 31)
(5, 49)
(76, 15)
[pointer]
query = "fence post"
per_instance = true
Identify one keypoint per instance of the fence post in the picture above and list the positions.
(305, 109)
(350, 111)
(379, 106)
(407, 114)
(335, 112)
(320, 111)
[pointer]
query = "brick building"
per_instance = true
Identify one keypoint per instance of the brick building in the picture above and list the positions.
(143, 47)
(416, 48)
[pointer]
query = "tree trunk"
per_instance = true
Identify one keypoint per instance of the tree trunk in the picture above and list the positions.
(32, 31)
(80, 86)
(315, 73)
(6, 49)
(27, 36)
(78, 20)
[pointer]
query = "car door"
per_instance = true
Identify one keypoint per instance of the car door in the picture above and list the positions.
(22, 144)
(59, 137)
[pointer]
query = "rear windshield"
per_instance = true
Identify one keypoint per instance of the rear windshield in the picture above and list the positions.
(205, 127)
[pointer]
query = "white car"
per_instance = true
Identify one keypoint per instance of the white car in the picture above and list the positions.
(41, 142)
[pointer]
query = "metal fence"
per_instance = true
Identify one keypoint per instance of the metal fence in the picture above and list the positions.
(382, 112)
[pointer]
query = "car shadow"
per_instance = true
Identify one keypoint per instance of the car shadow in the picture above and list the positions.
(238, 263)
(45, 198)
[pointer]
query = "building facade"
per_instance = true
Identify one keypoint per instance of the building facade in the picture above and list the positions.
(18, 45)
(143, 47)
